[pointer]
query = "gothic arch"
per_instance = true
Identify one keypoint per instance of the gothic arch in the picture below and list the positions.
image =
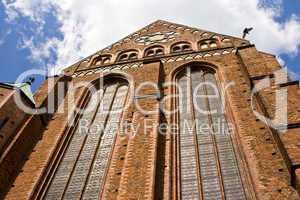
(210, 160)
(83, 167)
(180, 67)
(125, 77)
(114, 75)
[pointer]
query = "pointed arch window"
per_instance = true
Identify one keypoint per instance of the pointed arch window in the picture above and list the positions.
(208, 167)
(82, 169)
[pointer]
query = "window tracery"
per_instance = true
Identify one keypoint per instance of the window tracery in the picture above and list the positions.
(81, 171)
(208, 166)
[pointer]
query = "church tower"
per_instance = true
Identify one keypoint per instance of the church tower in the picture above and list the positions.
(170, 112)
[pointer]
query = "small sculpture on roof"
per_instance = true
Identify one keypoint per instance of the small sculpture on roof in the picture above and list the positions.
(247, 32)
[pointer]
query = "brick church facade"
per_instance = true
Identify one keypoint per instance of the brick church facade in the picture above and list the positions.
(155, 76)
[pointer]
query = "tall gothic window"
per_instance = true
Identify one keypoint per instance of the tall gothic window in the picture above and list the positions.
(82, 169)
(208, 166)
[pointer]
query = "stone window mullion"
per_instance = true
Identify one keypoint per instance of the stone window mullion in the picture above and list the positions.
(81, 171)
(212, 133)
(189, 183)
(192, 107)
(207, 162)
(87, 156)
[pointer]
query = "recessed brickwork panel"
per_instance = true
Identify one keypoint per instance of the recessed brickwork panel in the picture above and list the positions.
(291, 141)
(268, 96)
(18, 153)
(4, 94)
(11, 119)
(255, 62)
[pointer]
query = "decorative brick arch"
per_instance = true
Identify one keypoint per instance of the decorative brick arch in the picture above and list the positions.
(181, 46)
(128, 55)
(155, 49)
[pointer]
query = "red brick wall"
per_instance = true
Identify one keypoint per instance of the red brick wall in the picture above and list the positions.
(136, 169)
(13, 117)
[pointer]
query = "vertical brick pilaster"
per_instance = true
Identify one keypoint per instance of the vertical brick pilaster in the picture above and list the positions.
(138, 175)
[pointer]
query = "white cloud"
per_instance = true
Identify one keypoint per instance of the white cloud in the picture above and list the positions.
(291, 72)
(4, 35)
(90, 25)
(293, 75)
(33, 9)
(281, 61)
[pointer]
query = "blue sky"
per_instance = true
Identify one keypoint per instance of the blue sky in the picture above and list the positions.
(54, 34)
(291, 7)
